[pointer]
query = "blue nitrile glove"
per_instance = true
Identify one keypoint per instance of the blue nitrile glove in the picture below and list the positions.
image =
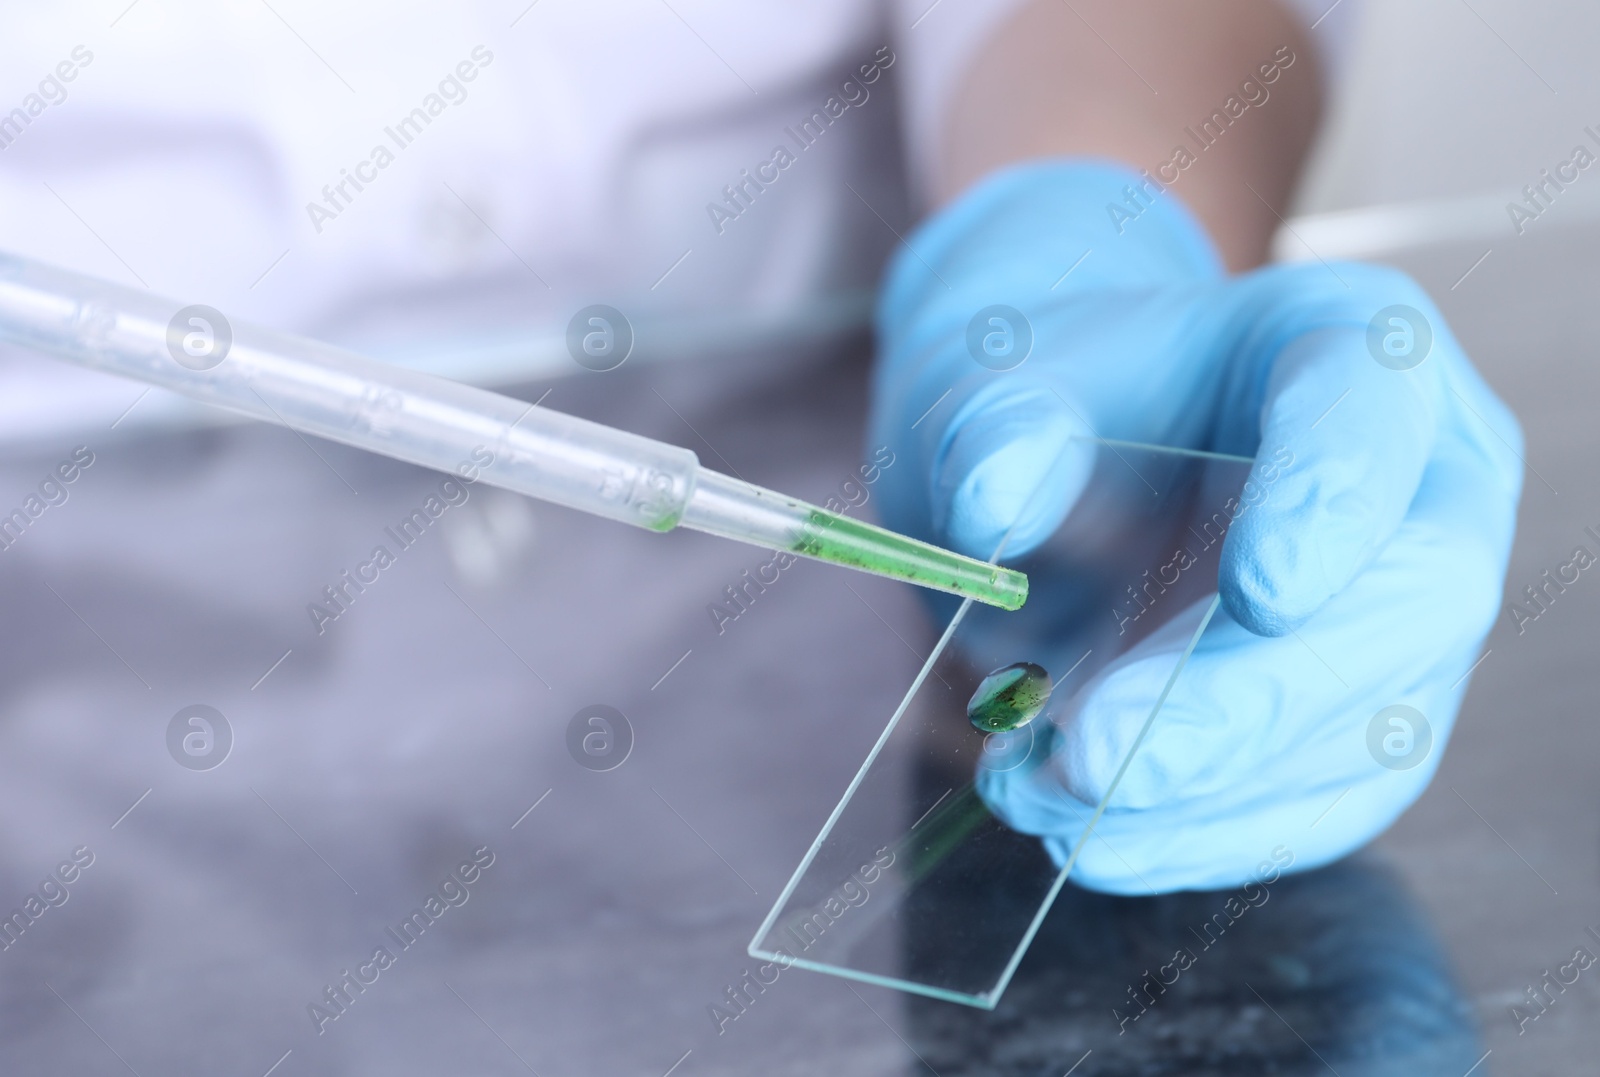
(1367, 578)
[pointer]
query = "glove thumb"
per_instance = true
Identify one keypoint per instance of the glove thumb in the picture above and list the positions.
(1008, 471)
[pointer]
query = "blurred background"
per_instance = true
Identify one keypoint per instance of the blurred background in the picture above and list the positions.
(430, 721)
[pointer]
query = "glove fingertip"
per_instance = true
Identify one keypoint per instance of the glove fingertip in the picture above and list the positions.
(1005, 477)
(992, 503)
(1265, 581)
(1251, 599)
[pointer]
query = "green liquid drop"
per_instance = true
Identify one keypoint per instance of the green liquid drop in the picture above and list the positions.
(1010, 698)
(830, 537)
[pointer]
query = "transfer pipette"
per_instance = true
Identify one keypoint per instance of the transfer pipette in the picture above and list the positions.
(314, 388)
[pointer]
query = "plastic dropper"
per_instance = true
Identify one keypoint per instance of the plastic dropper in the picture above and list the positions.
(314, 388)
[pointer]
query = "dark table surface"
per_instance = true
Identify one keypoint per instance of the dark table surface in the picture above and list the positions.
(429, 720)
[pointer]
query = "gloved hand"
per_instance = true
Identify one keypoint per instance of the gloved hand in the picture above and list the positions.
(1367, 578)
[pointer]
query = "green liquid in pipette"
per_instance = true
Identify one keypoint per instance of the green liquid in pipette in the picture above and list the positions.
(830, 537)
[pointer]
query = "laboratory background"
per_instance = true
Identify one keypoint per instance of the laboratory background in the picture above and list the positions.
(534, 791)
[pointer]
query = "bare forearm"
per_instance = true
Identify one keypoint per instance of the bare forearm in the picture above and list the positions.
(1178, 89)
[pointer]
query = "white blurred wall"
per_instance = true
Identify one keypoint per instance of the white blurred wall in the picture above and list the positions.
(1449, 98)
